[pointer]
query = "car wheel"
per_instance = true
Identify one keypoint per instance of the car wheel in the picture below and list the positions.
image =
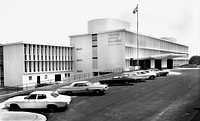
(14, 107)
(52, 108)
(97, 92)
(126, 83)
(138, 80)
(152, 77)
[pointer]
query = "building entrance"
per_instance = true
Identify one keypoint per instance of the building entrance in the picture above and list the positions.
(144, 64)
(158, 64)
(57, 77)
(169, 63)
(38, 79)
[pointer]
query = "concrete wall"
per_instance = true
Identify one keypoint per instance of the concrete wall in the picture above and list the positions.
(13, 64)
(111, 50)
(82, 54)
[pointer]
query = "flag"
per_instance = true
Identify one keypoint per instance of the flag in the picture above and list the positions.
(135, 10)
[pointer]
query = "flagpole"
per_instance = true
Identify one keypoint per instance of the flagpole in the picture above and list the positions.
(137, 38)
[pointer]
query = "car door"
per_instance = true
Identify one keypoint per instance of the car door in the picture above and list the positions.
(30, 101)
(41, 101)
(83, 88)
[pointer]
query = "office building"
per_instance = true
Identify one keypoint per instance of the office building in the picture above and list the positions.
(26, 63)
(110, 44)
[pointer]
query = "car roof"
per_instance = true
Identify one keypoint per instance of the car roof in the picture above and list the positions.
(42, 92)
(80, 82)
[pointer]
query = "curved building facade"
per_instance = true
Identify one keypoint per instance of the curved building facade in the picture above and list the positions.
(107, 24)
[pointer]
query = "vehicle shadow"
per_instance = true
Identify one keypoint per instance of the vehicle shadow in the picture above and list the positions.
(84, 94)
(130, 84)
(41, 111)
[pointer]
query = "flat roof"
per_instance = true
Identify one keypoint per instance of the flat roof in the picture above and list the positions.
(117, 30)
(21, 42)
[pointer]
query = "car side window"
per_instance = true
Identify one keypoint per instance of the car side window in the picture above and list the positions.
(41, 96)
(32, 97)
(75, 85)
(82, 84)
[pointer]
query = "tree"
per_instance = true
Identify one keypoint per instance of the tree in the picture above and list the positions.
(195, 60)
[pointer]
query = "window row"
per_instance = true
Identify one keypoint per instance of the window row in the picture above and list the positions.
(45, 57)
(45, 50)
(37, 66)
(153, 43)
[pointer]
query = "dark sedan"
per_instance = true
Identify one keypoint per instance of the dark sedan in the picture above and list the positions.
(117, 80)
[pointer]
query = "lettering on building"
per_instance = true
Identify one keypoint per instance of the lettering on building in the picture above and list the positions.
(114, 39)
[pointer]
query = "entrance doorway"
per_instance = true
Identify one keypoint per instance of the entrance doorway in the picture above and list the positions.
(38, 79)
(145, 64)
(57, 77)
(169, 63)
(158, 64)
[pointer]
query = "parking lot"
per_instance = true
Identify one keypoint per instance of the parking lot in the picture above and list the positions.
(171, 98)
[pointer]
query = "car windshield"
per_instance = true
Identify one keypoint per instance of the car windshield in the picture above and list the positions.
(54, 94)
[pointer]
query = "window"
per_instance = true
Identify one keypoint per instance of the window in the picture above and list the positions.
(45, 76)
(38, 66)
(94, 37)
(32, 96)
(79, 60)
(94, 45)
(25, 49)
(78, 48)
(41, 96)
(30, 77)
(79, 71)
(29, 66)
(25, 65)
(94, 57)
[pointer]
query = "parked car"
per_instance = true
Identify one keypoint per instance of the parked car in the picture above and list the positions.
(135, 76)
(145, 73)
(83, 87)
(159, 72)
(21, 116)
(39, 100)
(117, 80)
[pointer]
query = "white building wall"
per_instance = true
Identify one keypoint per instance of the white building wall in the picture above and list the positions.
(111, 50)
(83, 53)
(13, 64)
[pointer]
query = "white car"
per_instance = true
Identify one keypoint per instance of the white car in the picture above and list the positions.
(137, 77)
(159, 72)
(145, 73)
(83, 87)
(151, 74)
(39, 100)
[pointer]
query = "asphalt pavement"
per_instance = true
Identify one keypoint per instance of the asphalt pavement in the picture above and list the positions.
(171, 98)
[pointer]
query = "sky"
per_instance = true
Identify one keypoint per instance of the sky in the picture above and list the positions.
(53, 21)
